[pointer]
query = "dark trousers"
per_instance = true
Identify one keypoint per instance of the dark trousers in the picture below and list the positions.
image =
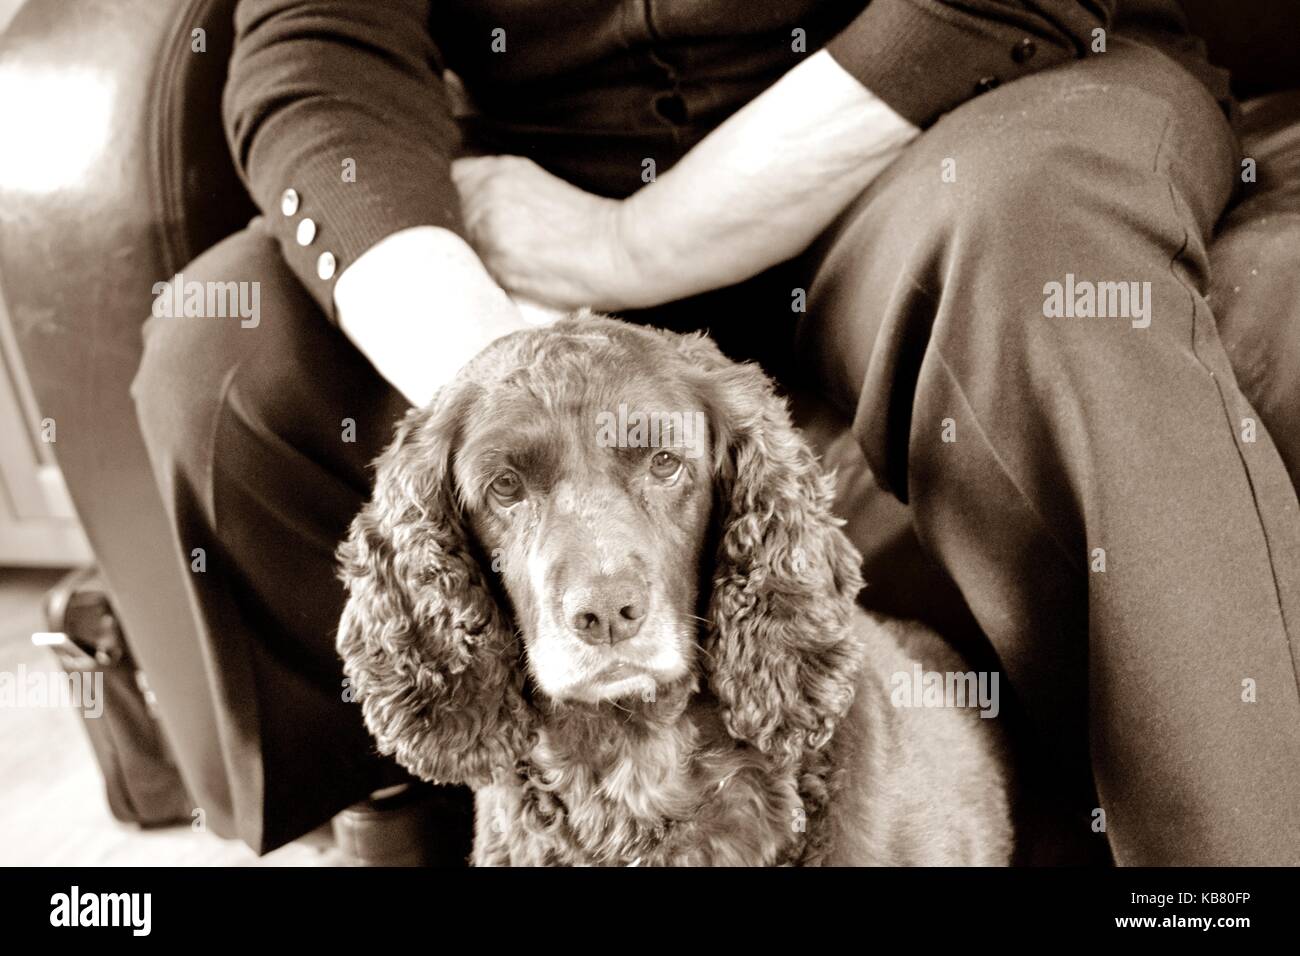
(1135, 566)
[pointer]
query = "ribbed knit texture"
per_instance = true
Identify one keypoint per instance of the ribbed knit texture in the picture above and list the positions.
(313, 84)
(925, 57)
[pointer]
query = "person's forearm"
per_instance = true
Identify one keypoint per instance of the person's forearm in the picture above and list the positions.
(760, 187)
(418, 305)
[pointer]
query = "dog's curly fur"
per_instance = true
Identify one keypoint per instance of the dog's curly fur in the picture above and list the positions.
(739, 762)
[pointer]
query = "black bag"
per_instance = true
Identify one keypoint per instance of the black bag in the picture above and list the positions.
(140, 777)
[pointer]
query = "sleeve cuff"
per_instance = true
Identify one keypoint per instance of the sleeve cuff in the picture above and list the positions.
(325, 215)
(925, 58)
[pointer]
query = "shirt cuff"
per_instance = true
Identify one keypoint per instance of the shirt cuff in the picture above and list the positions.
(923, 58)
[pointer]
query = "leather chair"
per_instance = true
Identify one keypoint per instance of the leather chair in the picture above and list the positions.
(114, 174)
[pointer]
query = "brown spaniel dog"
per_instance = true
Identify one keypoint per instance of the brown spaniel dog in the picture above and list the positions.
(600, 582)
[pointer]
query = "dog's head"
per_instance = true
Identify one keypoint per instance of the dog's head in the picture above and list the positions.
(557, 512)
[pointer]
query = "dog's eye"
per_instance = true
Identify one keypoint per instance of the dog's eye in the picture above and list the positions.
(507, 488)
(665, 464)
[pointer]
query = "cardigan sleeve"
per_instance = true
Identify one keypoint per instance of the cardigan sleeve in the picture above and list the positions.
(340, 126)
(925, 57)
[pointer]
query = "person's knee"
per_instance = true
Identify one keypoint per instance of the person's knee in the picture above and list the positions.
(1073, 252)
(172, 393)
(1019, 203)
(288, 380)
(205, 323)
(1061, 161)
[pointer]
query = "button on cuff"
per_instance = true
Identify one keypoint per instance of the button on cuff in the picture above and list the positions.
(289, 201)
(1024, 51)
(325, 266)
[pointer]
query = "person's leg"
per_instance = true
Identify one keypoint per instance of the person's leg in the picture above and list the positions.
(1135, 563)
(260, 439)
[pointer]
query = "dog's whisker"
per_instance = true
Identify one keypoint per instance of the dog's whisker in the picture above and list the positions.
(706, 653)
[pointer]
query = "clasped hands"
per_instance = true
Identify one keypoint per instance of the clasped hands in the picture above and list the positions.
(547, 241)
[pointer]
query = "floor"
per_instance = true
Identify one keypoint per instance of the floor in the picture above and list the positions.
(53, 811)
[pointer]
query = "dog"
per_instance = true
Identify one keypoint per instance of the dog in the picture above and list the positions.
(600, 582)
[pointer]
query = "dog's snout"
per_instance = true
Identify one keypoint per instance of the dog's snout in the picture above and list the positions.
(608, 609)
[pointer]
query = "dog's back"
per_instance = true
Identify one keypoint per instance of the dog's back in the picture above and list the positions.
(925, 785)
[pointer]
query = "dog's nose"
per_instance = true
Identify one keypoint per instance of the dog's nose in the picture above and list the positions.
(608, 609)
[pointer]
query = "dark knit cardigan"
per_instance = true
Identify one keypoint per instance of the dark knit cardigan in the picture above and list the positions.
(346, 102)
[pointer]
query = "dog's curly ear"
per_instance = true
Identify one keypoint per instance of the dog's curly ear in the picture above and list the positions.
(430, 653)
(782, 644)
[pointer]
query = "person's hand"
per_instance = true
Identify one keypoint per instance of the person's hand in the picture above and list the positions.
(542, 238)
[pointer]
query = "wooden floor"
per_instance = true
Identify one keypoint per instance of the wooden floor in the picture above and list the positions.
(52, 805)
